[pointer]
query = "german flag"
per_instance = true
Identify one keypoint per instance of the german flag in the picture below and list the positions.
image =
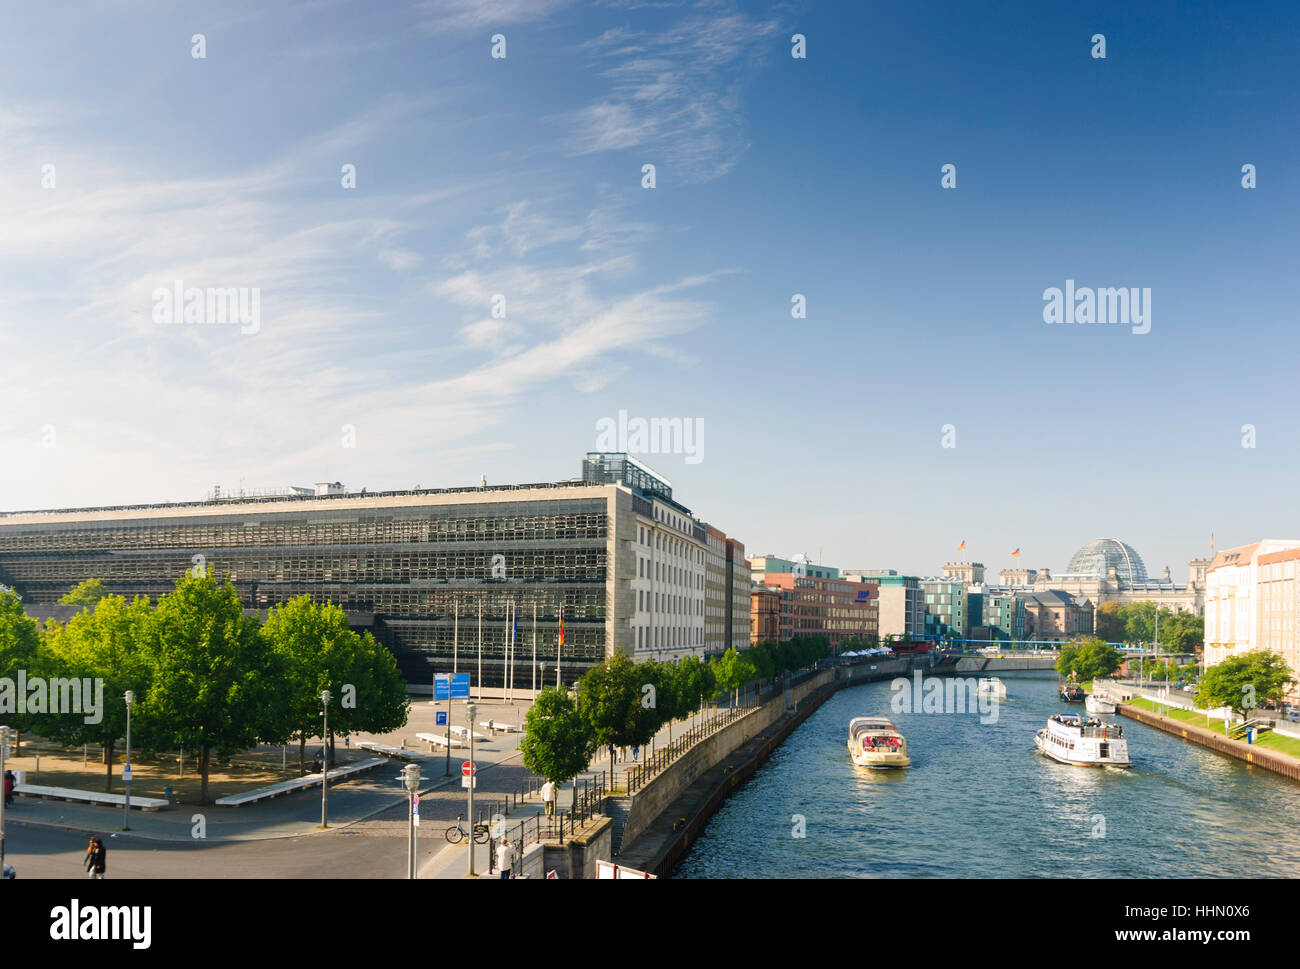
(962, 545)
(561, 625)
(1016, 554)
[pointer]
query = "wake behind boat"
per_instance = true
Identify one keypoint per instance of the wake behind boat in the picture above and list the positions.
(874, 742)
(1084, 742)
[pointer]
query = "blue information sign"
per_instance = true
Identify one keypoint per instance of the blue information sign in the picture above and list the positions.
(442, 718)
(451, 686)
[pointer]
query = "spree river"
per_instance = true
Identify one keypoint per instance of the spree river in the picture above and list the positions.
(980, 802)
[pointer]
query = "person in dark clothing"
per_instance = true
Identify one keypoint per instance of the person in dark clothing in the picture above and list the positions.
(9, 787)
(96, 859)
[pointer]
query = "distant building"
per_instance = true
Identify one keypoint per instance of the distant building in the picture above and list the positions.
(1251, 602)
(737, 620)
(1108, 570)
(840, 609)
(765, 612)
(947, 608)
(972, 573)
(1053, 614)
(614, 549)
(902, 603)
(761, 565)
(717, 635)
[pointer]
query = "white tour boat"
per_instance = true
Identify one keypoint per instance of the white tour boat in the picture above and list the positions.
(992, 687)
(1098, 703)
(1083, 741)
(874, 742)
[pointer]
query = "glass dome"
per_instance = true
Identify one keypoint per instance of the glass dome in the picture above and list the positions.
(1097, 558)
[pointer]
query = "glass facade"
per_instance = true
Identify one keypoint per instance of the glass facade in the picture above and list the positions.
(1097, 558)
(405, 572)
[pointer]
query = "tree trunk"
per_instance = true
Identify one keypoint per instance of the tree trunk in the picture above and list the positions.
(108, 767)
(302, 752)
(331, 753)
(204, 761)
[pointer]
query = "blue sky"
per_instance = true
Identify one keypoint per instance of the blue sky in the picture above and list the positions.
(522, 176)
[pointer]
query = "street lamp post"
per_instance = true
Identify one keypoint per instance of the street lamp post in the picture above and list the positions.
(325, 761)
(470, 710)
(411, 777)
(129, 696)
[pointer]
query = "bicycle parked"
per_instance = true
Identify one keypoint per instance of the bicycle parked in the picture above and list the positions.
(456, 833)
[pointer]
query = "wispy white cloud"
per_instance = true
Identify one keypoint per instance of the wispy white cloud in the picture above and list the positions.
(675, 94)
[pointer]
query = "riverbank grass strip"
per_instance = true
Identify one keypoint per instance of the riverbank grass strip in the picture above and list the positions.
(1268, 739)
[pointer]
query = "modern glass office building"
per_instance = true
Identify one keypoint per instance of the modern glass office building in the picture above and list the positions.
(417, 568)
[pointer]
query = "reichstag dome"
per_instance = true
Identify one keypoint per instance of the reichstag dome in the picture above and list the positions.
(1098, 557)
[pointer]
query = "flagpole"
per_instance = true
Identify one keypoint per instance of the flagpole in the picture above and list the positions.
(510, 656)
(480, 649)
(534, 649)
(455, 633)
(559, 644)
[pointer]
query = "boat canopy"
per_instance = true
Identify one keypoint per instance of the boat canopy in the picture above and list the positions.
(863, 724)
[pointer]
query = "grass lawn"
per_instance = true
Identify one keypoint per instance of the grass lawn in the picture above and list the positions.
(1268, 739)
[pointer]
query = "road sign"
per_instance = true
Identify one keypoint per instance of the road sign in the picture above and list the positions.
(467, 781)
(126, 774)
(442, 718)
(468, 768)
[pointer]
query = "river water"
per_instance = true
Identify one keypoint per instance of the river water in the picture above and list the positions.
(980, 802)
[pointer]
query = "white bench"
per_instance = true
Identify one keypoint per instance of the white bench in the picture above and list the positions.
(396, 752)
(493, 725)
(464, 732)
(435, 739)
(90, 797)
(298, 784)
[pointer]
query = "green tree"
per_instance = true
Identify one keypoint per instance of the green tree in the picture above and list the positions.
(21, 649)
(217, 686)
(104, 646)
(1109, 622)
(1093, 659)
(733, 670)
(609, 699)
(1065, 659)
(319, 651)
(1245, 682)
(87, 593)
(558, 742)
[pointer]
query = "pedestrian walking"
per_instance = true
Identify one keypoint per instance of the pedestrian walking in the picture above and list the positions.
(96, 859)
(613, 754)
(636, 751)
(548, 798)
(505, 857)
(9, 787)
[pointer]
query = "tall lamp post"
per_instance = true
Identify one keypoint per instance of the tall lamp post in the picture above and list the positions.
(470, 710)
(129, 696)
(325, 761)
(411, 777)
